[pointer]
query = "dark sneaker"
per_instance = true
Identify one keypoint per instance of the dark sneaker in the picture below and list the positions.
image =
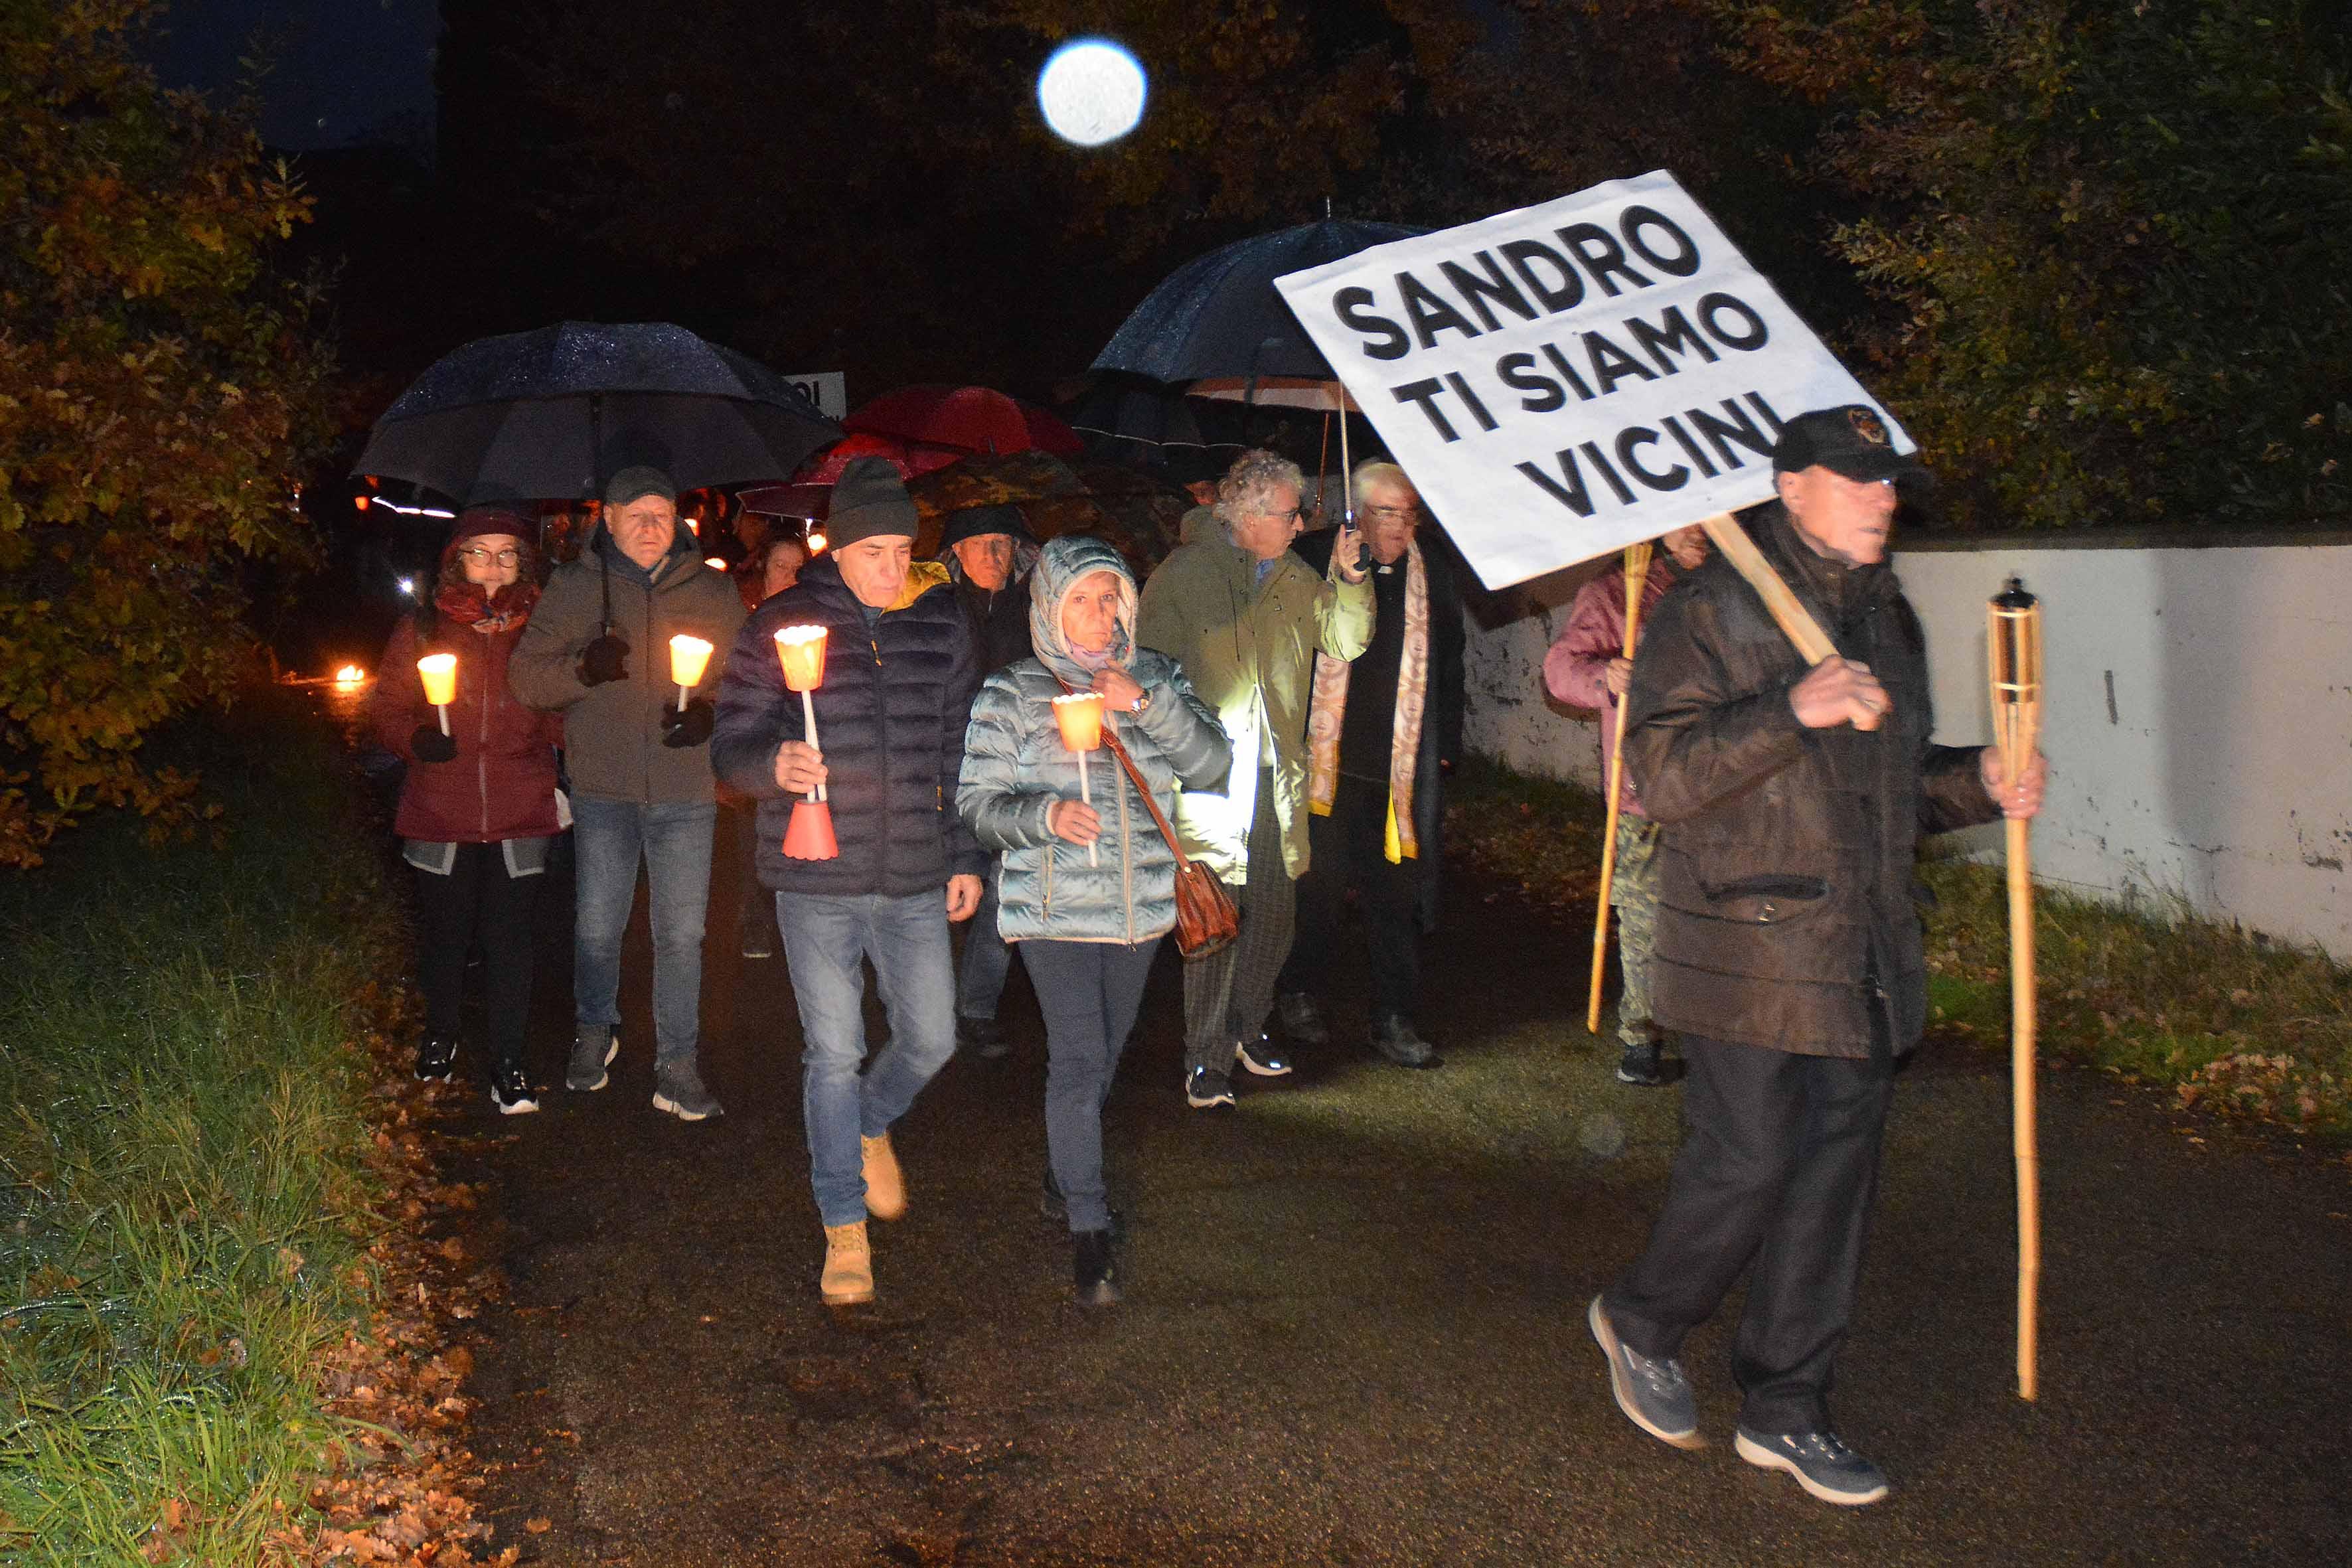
(1094, 1270)
(983, 1036)
(593, 1051)
(1643, 1066)
(511, 1092)
(759, 941)
(1822, 1464)
(436, 1056)
(1205, 1087)
(1654, 1393)
(1260, 1058)
(1302, 1020)
(678, 1089)
(1054, 1206)
(1395, 1038)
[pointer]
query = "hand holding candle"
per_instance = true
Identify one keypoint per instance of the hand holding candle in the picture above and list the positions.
(438, 671)
(688, 658)
(1080, 716)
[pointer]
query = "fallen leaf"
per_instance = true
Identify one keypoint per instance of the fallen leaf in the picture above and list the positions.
(538, 1526)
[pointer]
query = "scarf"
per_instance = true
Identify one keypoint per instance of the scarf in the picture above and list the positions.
(1330, 702)
(465, 605)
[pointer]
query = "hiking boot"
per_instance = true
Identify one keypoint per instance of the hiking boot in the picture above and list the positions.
(437, 1057)
(983, 1036)
(1302, 1020)
(678, 1089)
(1394, 1038)
(1260, 1058)
(1654, 1393)
(886, 1185)
(1822, 1463)
(1643, 1066)
(1096, 1274)
(1205, 1087)
(849, 1276)
(511, 1092)
(593, 1050)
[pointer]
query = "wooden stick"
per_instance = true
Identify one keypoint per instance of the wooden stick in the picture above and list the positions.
(1794, 619)
(1637, 574)
(2024, 1136)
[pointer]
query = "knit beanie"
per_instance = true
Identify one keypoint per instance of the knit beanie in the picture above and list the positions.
(869, 500)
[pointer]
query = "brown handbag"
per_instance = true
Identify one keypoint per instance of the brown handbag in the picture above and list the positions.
(1206, 920)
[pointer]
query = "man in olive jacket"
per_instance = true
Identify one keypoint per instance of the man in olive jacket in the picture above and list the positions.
(1790, 803)
(1244, 618)
(597, 648)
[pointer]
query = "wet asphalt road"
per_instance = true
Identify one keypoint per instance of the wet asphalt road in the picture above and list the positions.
(1354, 1330)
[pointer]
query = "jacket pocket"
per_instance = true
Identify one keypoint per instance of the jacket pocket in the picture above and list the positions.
(1771, 899)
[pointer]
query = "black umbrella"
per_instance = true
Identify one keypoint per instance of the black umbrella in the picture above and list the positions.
(1220, 315)
(550, 414)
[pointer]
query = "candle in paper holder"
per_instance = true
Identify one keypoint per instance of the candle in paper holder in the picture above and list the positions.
(1080, 716)
(688, 658)
(801, 652)
(438, 671)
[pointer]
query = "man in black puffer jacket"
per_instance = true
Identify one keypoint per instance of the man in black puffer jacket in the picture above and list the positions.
(899, 676)
(1787, 956)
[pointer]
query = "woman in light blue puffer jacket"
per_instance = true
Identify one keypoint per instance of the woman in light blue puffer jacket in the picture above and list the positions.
(1087, 931)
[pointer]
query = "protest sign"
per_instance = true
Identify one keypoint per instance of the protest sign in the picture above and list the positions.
(1565, 380)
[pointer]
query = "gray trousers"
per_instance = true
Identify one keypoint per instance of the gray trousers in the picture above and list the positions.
(1228, 995)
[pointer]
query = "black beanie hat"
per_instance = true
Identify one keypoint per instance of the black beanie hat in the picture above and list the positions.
(972, 521)
(636, 483)
(868, 500)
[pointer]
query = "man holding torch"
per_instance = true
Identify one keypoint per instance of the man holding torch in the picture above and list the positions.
(1788, 952)
(891, 703)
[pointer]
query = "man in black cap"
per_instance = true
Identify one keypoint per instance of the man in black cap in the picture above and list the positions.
(891, 709)
(1788, 952)
(988, 552)
(598, 649)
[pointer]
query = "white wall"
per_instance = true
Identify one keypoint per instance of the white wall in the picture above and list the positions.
(2217, 772)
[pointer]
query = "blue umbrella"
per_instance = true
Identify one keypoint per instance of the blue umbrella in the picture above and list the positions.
(550, 414)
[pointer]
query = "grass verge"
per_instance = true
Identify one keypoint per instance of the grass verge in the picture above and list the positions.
(2218, 1017)
(191, 1163)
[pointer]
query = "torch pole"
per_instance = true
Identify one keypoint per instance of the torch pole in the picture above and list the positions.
(2013, 658)
(808, 725)
(1637, 574)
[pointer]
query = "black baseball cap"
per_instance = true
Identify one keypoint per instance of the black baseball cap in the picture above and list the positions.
(1852, 440)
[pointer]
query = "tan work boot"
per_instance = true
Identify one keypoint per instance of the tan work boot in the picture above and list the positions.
(886, 1189)
(848, 1265)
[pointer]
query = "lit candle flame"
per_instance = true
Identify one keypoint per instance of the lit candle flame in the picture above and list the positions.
(688, 658)
(802, 651)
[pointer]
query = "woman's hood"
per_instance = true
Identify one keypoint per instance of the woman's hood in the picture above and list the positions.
(1060, 564)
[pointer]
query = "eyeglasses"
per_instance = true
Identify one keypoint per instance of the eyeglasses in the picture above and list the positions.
(1292, 516)
(474, 554)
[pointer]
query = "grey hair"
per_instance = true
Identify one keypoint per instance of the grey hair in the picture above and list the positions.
(1255, 475)
(1376, 471)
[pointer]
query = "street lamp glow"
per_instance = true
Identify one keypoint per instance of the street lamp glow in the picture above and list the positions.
(1091, 92)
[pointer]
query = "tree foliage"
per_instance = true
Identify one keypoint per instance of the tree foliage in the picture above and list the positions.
(159, 389)
(2112, 237)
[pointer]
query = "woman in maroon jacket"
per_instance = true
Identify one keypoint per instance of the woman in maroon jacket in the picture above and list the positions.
(478, 805)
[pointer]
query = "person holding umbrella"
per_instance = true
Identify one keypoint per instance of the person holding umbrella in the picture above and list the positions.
(1087, 891)
(478, 805)
(891, 705)
(1244, 617)
(598, 650)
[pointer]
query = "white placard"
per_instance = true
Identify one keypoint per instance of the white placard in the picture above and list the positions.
(828, 389)
(1565, 380)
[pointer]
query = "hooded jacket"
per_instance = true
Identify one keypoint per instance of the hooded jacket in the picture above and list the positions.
(612, 733)
(1015, 768)
(501, 784)
(1249, 648)
(1785, 863)
(890, 714)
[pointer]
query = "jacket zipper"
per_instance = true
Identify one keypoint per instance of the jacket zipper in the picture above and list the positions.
(1125, 853)
(482, 755)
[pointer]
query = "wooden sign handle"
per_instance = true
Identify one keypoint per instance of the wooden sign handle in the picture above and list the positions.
(1794, 619)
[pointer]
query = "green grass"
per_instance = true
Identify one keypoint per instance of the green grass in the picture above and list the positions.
(184, 1176)
(2221, 1018)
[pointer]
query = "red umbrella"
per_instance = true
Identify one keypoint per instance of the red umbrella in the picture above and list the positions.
(908, 456)
(971, 417)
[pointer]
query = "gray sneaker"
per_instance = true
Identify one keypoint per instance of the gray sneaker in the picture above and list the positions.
(1822, 1463)
(1654, 1394)
(593, 1050)
(678, 1089)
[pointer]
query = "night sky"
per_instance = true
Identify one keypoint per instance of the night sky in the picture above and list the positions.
(348, 72)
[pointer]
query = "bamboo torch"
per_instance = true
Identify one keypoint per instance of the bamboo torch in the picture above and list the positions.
(2013, 642)
(1637, 572)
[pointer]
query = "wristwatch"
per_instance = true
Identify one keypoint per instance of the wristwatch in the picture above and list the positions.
(1142, 700)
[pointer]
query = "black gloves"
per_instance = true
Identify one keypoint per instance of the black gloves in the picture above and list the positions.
(430, 745)
(607, 659)
(689, 727)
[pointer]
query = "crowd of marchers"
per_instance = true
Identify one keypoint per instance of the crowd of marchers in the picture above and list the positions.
(1283, 707)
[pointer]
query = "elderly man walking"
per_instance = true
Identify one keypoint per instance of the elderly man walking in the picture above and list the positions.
(1788, 960)
(899, 676)
(1383, 729)
(597, 648)
(1244, 617)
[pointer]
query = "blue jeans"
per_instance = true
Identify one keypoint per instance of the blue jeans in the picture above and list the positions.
(1089, 992)
(673, 839)
(825, 935)
(987, 956)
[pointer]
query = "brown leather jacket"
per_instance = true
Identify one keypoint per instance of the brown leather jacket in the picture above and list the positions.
(1785, 867)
